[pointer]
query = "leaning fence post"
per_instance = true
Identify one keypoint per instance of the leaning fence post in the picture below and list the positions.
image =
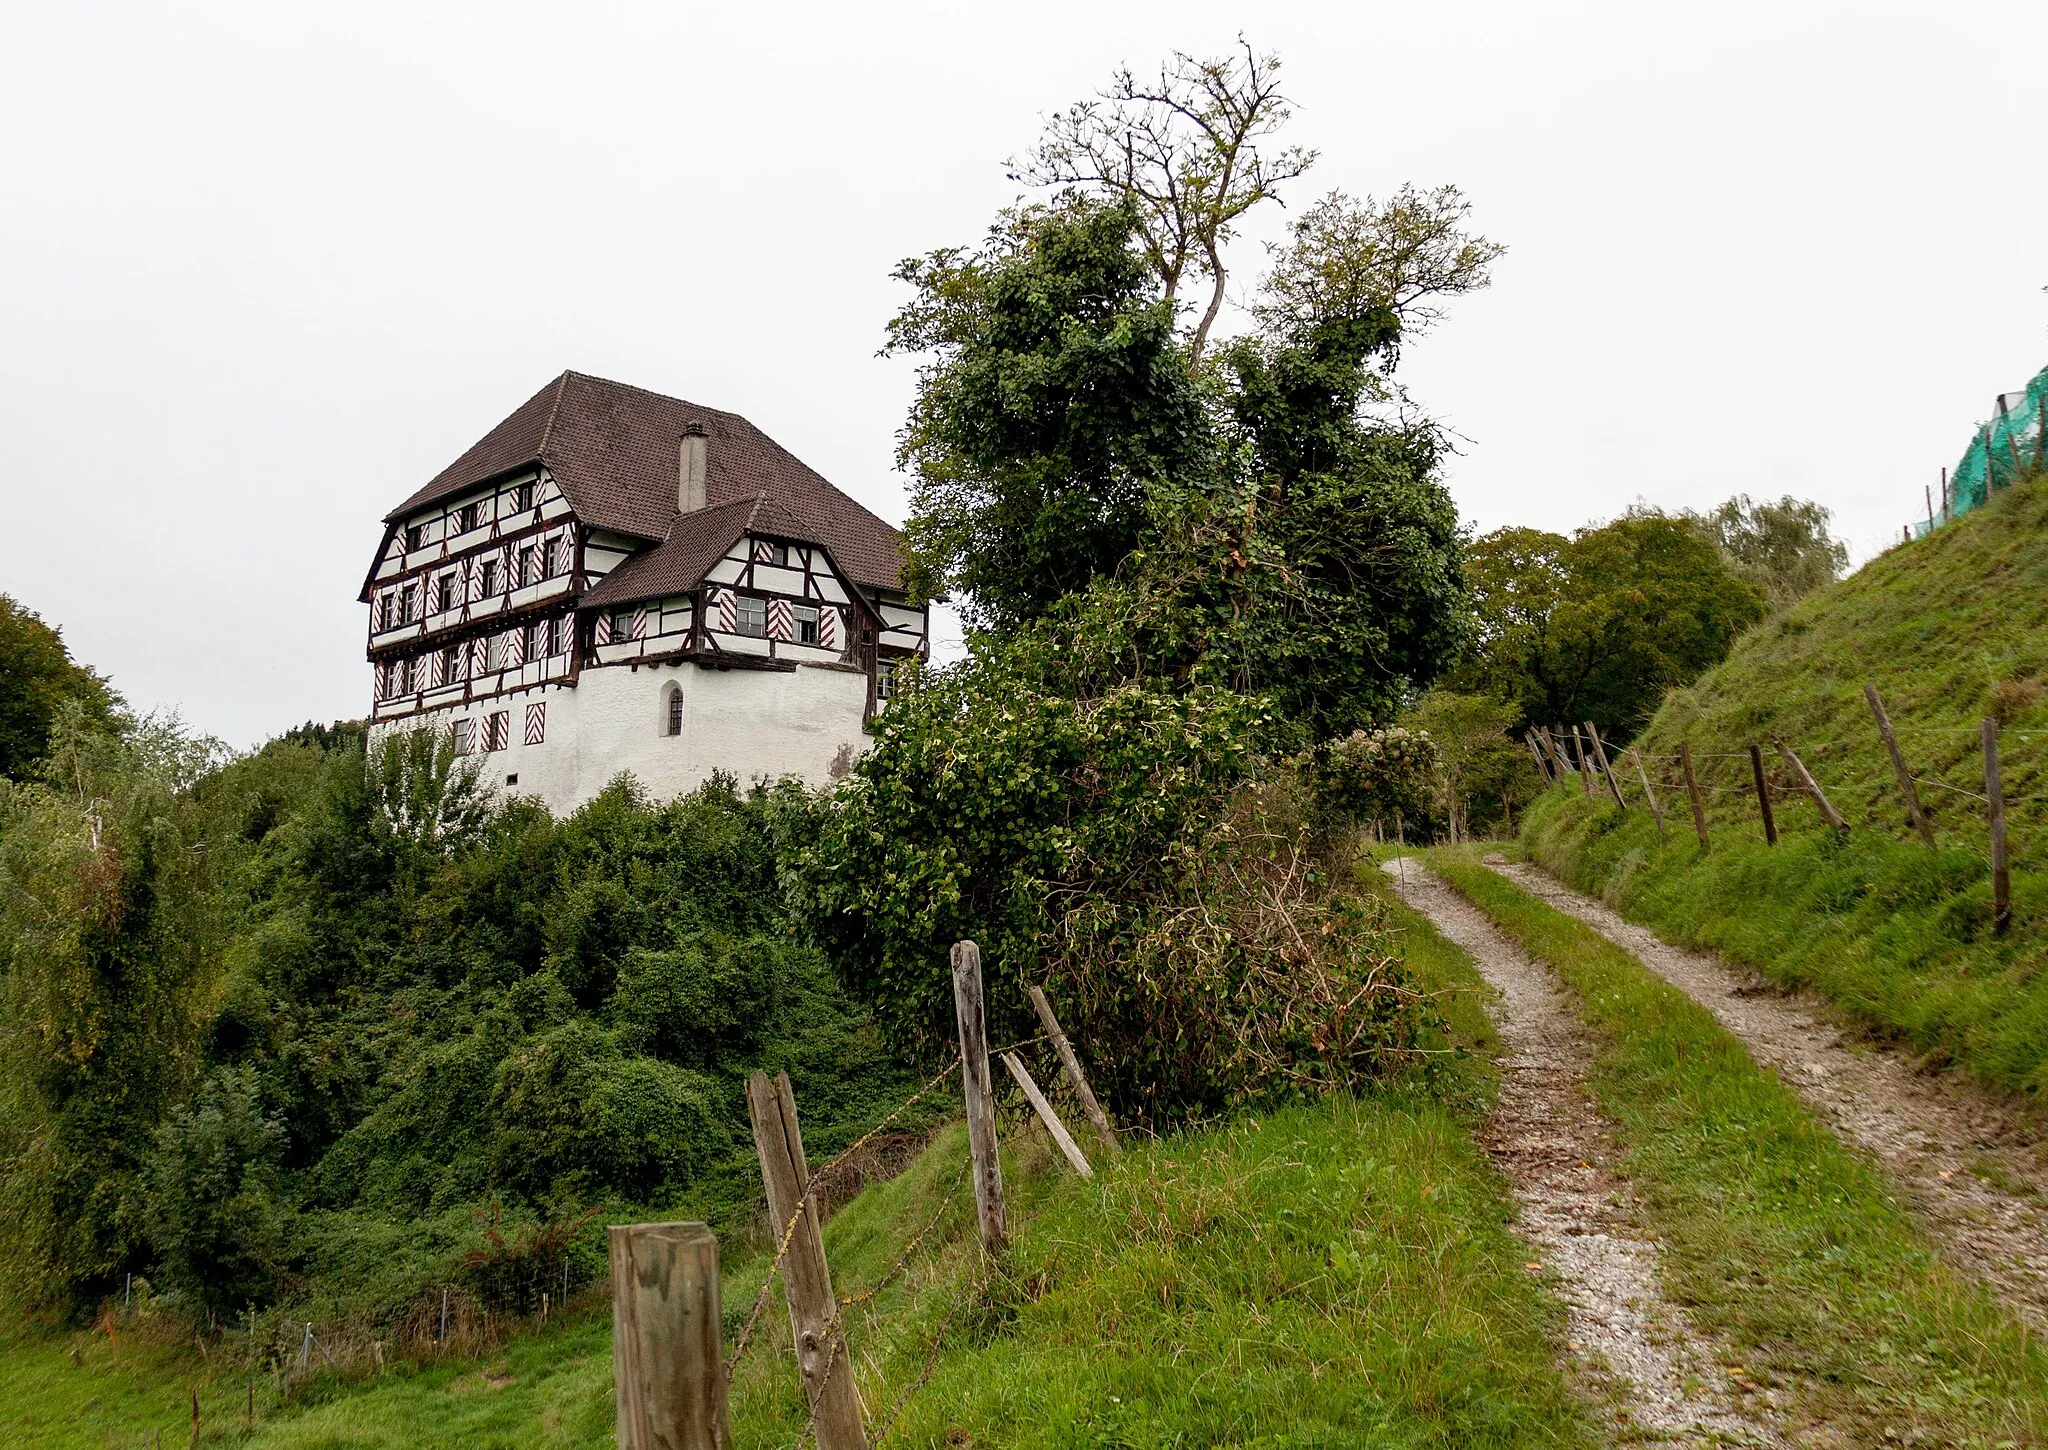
(1828, 812)
(813, 1312)
(1047, 1116)
(1600, 758)
(1994, 795)
(1643, 774)
(1072, 1064)
(1692, 789)
(668, 1378)
(1763, 794)
(1585, 769)
(980, 1095)
(1891, 743)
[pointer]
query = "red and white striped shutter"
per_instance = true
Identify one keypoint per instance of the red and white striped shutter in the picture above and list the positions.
(515, 648)
(764, 552)
(604, 628)
(536, 722)
(781, 620)
(828, 627)
(640, 623)
(728, 609)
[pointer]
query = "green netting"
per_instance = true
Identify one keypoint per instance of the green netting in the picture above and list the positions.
(2002, 450)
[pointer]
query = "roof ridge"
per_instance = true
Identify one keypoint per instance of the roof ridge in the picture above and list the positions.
(548, 429)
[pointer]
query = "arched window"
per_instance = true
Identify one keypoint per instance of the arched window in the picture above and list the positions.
(672, 710)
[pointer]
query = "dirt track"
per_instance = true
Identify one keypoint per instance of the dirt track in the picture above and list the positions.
(1666, 1380)
(1968, 1165)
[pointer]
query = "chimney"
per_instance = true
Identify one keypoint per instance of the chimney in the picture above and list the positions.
(690, 469)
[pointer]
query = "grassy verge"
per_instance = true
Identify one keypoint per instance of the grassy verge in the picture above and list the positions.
(1336, 1273)
(1951, 629)
(1781, 1239)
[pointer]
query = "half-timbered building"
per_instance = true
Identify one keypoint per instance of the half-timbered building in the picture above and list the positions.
(614, 581)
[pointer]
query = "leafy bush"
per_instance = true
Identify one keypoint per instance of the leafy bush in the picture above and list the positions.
(1121, 852)
(214, 1213)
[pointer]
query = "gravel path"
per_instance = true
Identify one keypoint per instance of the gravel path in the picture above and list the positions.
(1970, 1166)
(1667, 1380)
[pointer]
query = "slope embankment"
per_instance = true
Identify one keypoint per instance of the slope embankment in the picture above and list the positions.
(1950, 630)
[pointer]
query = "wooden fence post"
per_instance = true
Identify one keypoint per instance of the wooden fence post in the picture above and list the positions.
(1047, 1116)
(1643, 775)
(980, 1094)
(1542, 765)
(1828, 812)
(1077, 1078)
(1891, 743)
(1585, 770)
(666, 1329)
(813, 1312)
(1556, 755)
(1763, 794)
(1692, 789)
(1994, 795)
(1607, 770)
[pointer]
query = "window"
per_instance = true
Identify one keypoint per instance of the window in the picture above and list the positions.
(471, 517)
(806, 624)
(751, 617)
(536, 641)
(451, 665)
(622, 625)
(464, 735)
(497, 729)
(536, 723)
(445, 595)
(885, 679)
(387, 611)
(779, 554)
(675, 710)
(525, 567)
(522, 496)
(490, 578)
(550, 552)
(415, 535)
(494, 652)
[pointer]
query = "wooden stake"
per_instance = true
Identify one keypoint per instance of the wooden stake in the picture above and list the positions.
(666, 1368)
(1556, 755)
(813, 1312)
(195, 1417)
(1047, 1116)
(1643, 774)
(1827, 811)
(1763, 794)
(1600, 758)
(1692, 788)
(1076, 1078)
(1585, 775)
(980, 1094)
(1994, 794)
(1906, 787)
(1542, 765)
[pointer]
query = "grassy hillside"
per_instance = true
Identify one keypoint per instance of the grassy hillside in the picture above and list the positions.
(1338, 1272)
(1950, 629)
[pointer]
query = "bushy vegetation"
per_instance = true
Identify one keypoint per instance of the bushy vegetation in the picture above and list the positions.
(323, 1020)
(1951, 629)
(39, 683)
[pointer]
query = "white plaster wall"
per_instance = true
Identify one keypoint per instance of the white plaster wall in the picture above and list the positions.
(751, 723)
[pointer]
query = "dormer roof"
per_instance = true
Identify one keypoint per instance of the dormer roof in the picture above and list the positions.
(613, 451)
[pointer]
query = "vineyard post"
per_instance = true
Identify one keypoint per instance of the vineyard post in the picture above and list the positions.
(1600, 759)
(1692, 789)
(1994, 795)
(1763, 794)
(1643, 774)
(1072, 1064)
(1828, 812)
(980, 1094)
(668, 1378)
(1891, 743)
(813, 1312)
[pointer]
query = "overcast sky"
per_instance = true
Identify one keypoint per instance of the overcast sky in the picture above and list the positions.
(265, 269)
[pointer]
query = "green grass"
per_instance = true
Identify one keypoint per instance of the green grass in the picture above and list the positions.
(1332, 1274)
(1780, 1238)
(1950, 628)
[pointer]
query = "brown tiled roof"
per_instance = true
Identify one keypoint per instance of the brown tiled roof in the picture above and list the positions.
(698, 540)
(613, 449)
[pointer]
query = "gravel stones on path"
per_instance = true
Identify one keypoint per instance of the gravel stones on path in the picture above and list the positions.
(1667, 1381)
(1967, 1164)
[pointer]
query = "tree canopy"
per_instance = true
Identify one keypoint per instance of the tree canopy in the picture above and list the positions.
(38, 680)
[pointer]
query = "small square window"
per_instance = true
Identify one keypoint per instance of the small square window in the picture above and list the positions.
(622, 625)
(464, 734)
(498, 730)
(885, 679)
(806, 623)
(525, 567)
(751, 617)
(490, 578)
(522, 496)
(415, 535)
